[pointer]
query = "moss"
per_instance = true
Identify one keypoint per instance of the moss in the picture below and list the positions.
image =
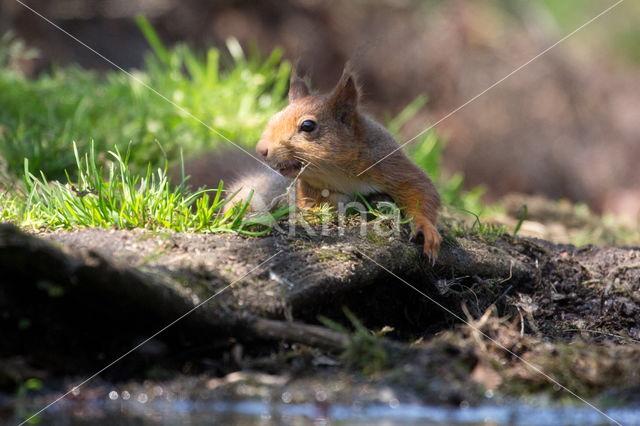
(448, 237)
(328, 255)
(156, 254)
(411, 253)
(377, 239)
(163, 235)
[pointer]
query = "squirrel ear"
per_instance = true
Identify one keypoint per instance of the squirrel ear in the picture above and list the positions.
(298, 88)
(344, 98)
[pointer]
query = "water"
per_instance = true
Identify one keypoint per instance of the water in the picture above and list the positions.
(139, 411)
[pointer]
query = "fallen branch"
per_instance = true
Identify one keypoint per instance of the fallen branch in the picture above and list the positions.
(295, 332)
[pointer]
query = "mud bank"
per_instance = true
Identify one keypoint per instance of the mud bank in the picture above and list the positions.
(357, 316)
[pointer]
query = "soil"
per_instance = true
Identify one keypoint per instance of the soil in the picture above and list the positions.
(315, 308)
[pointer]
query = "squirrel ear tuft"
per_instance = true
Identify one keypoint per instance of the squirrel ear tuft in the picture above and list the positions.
(298, 86)
(298, 89)
(344, 97)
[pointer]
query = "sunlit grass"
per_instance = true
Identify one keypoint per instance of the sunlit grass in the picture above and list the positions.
(230, 91)
(117, 197)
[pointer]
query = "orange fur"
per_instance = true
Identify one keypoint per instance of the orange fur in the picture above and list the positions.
(344, 143)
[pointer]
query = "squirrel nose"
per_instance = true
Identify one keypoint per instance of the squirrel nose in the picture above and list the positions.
(263, 148)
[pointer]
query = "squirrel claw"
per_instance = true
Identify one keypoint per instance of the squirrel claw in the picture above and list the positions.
(432, 239)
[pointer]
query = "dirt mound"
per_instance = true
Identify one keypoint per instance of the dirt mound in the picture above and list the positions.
(75, 300)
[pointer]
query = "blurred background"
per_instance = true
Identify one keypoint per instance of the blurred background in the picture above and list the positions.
(565, 126)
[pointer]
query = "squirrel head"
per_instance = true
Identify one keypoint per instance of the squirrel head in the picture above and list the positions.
(316, 133)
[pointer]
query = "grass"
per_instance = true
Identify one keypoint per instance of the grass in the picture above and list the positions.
(486, 231)
(365, 351)
(63, 134)
(82, 149)
(41, 117)
(119, 198)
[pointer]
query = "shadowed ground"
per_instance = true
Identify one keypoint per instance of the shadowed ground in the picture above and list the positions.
(74, 301)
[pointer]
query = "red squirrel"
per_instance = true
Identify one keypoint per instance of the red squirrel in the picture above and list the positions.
(325, 142)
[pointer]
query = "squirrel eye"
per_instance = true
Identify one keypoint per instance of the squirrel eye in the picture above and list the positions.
(308, 126)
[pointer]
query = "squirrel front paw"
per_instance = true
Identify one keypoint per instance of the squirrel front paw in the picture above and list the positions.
(431, 236)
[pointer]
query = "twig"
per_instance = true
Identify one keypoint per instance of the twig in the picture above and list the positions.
(604, 333)
(295, 332)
